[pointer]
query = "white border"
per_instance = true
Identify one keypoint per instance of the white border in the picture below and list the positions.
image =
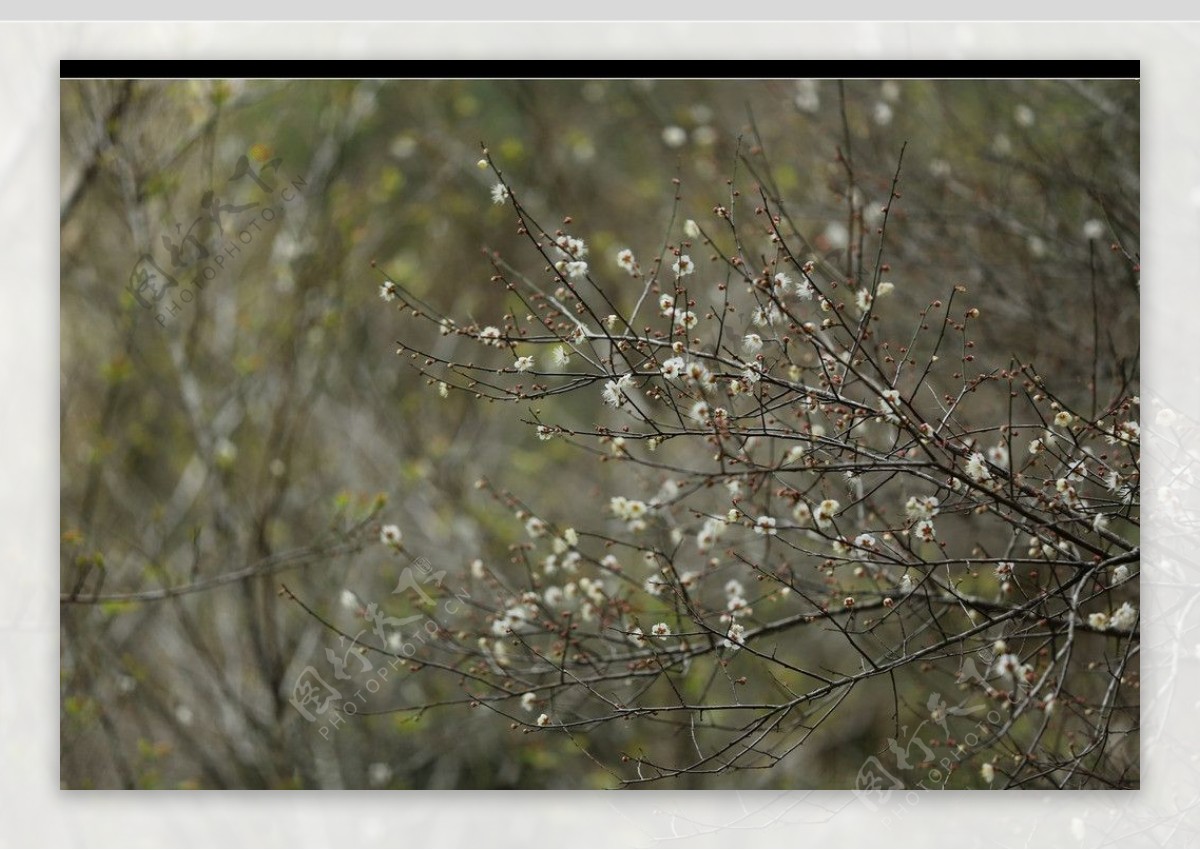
(1165, 813)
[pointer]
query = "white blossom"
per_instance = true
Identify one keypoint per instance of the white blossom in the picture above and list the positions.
(674, 137)
(709, 534)
(535, 527)
(685, 319)
(733, 638)
(379, 774)
(571, 248)
(573, 269)
(683, 266)
(499, 652)
(390, 535)
(627, 509)
(825, 512)
(921, 507)
(765, 525)
(696, 372)
(863, 300)
(1126, 432)
(977, 467)
(559, 356)
(655, 585)
(1124, 617)
(807, 97)
(767, 315)
(1008, 664)
(673, 368)
(519, 617)
(889, 405)
(614, 391)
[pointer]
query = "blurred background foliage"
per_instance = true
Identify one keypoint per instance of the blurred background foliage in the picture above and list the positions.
(271, 408)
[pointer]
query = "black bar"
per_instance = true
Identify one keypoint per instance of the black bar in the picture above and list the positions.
(872, 69)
